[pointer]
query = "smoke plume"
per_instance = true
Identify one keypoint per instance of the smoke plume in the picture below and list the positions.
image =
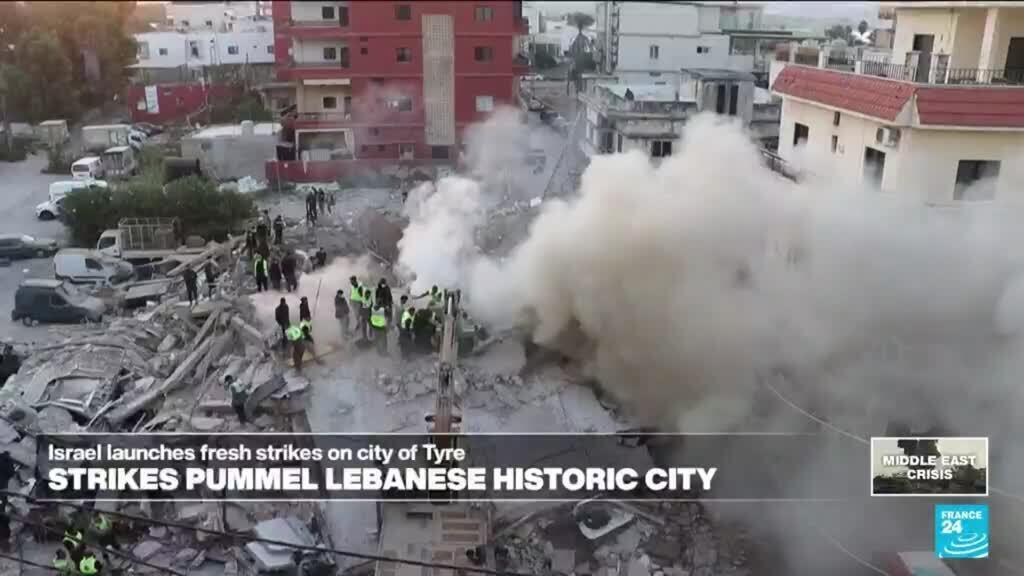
(684, 284)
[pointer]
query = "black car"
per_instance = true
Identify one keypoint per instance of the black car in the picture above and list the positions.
(42, 300)
(15, 246)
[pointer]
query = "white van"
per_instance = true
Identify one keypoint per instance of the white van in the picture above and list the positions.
(58, 190)
(88, 168)
(78, 265)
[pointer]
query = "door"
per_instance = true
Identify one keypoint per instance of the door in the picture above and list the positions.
(58, 309)
(923, 45)
(874, 167)
(1015, 60)
(94, 271)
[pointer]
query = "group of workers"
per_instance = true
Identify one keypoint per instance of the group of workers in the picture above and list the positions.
(191, 278)
(298, 336)
(74, 557)
(318, 201)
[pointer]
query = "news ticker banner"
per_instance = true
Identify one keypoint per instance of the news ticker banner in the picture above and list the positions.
(527, 467)
(414, 467)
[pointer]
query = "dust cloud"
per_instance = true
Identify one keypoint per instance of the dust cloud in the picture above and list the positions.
(684, 285)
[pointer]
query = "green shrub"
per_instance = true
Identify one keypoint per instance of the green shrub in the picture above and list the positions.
(202, 209)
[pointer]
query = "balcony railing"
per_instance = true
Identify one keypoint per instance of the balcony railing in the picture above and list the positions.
(944, 76)
(324, 116)
(339, 64)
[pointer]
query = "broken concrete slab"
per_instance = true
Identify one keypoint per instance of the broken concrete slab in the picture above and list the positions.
(167, 344)
(7, 433)
(289, 530)
(205, 424)
(563, 561)
(145, 550)
(194, 512)
(184, 556)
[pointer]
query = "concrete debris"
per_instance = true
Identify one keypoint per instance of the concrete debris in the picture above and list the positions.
(157, 531)
(270, 558)
(145, 550)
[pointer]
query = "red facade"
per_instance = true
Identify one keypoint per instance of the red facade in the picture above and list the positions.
(374, 35)
(176, 101)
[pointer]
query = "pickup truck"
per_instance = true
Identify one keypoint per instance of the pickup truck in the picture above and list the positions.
(143, 240)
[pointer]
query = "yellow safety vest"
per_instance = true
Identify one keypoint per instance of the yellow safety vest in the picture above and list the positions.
(406, 317)
(256, 265)
(379, 318)
(61, 564)
(293, 333)
(306, 324)
(435, 298)
(102, 524)
(72, 539)
(87, 565)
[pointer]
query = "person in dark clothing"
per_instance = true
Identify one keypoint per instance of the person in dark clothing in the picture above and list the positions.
(263, 232)
(304, 313)
(278, 230)
(283, 317)
(210, 272)
(250, 242)
(191, 285)
(321, 200)
(341, 311)
(263, 249)
(10, 363)
(383, 295)
(330, 202)
(423, 330)
(288, 264)
(321, 257)
(275, 274)
(238, 397)
(260, 271)
(7, 472)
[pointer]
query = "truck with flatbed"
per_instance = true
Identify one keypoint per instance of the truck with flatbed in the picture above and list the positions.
(144, 240)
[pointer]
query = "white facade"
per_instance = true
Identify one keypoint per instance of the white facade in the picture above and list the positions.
(199, 48)
(319, 52)
(219, 17)
(923, 163)
(640, 38)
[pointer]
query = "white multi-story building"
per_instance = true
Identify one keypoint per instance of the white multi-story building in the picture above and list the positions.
(942, 120)
(213, 16)
(638, 41)
(620, 117)
(198, 49)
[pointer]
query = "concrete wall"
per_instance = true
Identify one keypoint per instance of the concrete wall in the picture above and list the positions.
(674, 53)
(970, 29)
(171, 49)
(312, 51)
(940, 22)
(959, 32)
(654, 19)
(311, 98)
(208, 16)
(847, 162)
(924, 164)
(313, 11)
(233, 157)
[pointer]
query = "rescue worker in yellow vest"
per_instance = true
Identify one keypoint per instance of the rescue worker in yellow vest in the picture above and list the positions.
(436, 297)
(355, 296)
(103, 528)
(379, 323)
(260, 270)
(294, 335)
(365, 307)
(62, 563)
(89, 565)
(405, 331)
(73, 543)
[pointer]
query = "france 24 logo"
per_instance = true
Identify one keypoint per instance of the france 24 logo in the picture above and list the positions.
(961, 530)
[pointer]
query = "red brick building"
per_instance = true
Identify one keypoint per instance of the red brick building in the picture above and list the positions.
(390, 82)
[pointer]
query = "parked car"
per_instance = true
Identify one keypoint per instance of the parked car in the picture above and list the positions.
(15, 246)
(88, 168)
(44, 300)
(532, 78)
(81, 266)
(54, 207)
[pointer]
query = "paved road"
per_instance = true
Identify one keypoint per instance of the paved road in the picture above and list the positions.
(22, 186)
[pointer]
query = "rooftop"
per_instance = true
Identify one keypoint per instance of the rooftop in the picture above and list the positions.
(233, 130)
(719, 74)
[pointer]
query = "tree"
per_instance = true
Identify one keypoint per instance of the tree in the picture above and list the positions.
(40, 84)
(862, 27)
(580, 20)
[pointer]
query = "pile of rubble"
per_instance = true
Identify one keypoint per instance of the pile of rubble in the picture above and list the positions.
(607, 538)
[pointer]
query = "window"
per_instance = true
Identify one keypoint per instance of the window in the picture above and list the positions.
(330, 103)
(343, 60)
(140, 105)
(734, 96)
(661, 148)
(720, 99)
(403, 54)
(483, 53)
(403, 12)
(57, 301)
(484, 103)
(374, 131)
(185, 23)
(348, 104)
(401, 103)
(835, 143)
(406, 151)
(653, 51)
(484, 13)
(92, 264)
(143, 50)
(209, 23)
(439, 152)
(619, 148)
(364, 50)
(162, 51)
(327, 12)
(655, 74)
(343, 15)
(270, 48)
(381, 147)
(800, 134)
(703, 49)
(233, 50)
(835, 118)
(193, 48)
(874, 167)
(976, 179)
(330, 53)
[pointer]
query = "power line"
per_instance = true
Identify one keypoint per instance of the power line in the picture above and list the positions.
(247, 537)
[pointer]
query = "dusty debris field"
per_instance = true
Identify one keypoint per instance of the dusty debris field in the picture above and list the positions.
(161, 368)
